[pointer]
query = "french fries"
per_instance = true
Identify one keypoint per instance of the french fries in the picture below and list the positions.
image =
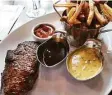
(68, 9)
(105, 12)
(66, 5)
(109, 9)
(71, 12)
(87, 13)
(100, 17)
(91, 12)
(77, 12)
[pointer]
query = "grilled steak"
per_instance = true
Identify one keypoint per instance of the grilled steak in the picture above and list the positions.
(21, 69)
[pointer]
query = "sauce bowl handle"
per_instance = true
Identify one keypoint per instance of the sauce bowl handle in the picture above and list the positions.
(56, 9)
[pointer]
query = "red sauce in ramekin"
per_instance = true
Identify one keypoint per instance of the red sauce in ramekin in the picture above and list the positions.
(44, 31)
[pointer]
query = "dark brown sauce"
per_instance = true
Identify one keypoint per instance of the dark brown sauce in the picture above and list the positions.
(54, 53)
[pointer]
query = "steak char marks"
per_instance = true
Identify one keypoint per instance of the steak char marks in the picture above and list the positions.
(21, 69)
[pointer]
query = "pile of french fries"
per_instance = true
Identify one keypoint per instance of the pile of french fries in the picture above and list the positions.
(84, 11)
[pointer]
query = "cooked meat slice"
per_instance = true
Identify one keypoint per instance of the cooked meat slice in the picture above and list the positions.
(21, 69)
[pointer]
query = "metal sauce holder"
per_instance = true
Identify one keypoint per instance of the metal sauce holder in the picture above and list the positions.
(75, 35)
(56, 9)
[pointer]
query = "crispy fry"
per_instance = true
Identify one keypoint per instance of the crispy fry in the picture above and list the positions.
(109, 9)
(65, 5)
(91, 12)
(105, 12)
(71, 12)
(68, 9)
(100, 17)
(85, 12)
(77, 12)
(71, 3)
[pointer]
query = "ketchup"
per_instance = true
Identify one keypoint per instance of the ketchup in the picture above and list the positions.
(43, 31)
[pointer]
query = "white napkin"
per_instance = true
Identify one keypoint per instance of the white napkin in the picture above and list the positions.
(106, 36)
(8, 16)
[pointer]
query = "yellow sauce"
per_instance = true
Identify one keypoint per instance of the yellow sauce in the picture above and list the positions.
(85, 63)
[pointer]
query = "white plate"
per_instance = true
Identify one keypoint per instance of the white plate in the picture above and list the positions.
(57, 81)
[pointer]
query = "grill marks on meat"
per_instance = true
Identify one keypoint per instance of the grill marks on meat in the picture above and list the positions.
(21, 69)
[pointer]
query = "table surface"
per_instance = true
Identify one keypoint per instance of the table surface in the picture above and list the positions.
(23, 18)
